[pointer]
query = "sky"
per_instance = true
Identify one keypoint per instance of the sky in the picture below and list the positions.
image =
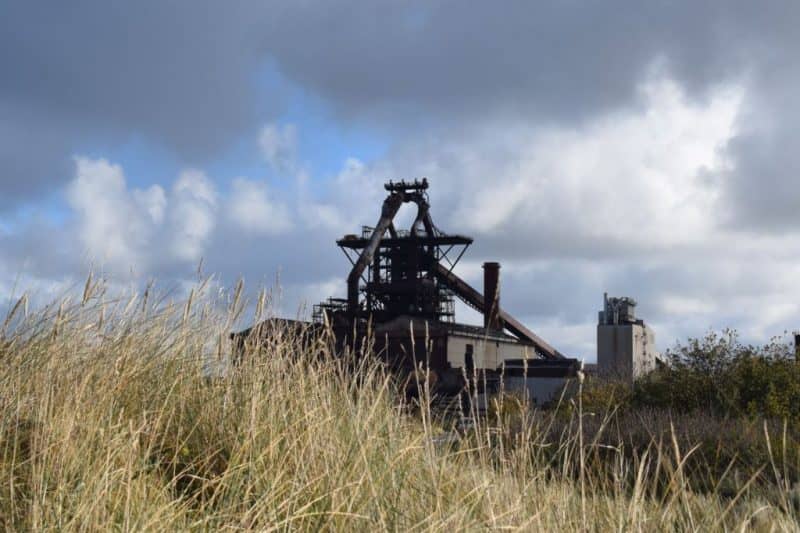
(644, 149)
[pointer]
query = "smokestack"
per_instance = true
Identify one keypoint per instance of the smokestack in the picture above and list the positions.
(491, 295)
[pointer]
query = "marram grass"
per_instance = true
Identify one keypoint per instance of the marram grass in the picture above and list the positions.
(112, 420)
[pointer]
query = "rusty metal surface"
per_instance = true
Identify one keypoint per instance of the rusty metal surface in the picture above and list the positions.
(390, 208)
(474, 298)
(393, 270)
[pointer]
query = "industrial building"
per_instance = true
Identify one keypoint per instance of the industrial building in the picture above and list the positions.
(626, 347)
(400, 306)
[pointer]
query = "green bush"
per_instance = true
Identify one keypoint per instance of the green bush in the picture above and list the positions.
(720, 374)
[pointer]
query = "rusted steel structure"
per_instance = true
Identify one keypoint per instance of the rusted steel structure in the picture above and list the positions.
(401, 291)
(401, 295)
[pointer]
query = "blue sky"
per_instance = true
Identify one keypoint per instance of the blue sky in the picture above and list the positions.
(324, 144)
(644, 150)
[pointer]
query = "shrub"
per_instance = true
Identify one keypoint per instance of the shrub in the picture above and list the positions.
(720, 374)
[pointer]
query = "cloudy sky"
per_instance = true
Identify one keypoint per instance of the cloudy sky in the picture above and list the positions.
(649, 149)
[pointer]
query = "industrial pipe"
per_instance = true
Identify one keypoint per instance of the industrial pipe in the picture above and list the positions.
(491, 295)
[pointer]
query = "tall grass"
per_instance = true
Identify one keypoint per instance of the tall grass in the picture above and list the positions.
(112, 419)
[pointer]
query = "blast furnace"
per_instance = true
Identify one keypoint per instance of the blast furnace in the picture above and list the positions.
(400, 297)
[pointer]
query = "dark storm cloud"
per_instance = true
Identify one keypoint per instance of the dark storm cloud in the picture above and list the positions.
(167, 68)
(33, 153)
(556, 60)
(181, 74)
(763, 184)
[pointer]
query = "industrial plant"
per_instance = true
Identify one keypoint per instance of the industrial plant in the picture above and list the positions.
(400, 307)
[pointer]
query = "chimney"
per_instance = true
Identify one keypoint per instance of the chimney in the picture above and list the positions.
(491, 295)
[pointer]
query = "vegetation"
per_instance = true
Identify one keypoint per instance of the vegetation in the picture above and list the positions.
(721, 375)
(114, 416)
(736, 405)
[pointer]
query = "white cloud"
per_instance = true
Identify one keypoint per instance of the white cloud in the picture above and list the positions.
(677, 304)
(351, 197)
(279, 146)
(114, 224)
(193, 214)
(252, 209)
(639, 176)
(153, 200)
(124, 228)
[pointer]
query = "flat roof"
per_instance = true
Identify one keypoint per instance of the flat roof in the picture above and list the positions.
(469, 330)
(403, 324)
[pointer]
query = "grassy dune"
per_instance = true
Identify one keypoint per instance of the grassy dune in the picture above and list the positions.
(110, 421)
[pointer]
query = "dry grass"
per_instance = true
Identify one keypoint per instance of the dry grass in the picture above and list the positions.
(110, 421)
